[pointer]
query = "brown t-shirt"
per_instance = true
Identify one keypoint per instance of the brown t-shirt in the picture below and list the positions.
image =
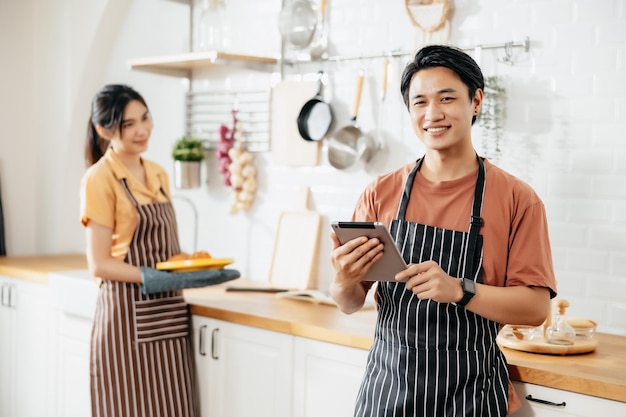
(516, 245)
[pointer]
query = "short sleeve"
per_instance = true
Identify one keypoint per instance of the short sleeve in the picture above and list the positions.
(530, 255)
(97, 201)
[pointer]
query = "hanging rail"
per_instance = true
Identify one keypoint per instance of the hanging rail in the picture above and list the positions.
(507, 46)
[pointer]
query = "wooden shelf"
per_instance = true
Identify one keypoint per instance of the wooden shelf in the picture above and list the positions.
(181, 65)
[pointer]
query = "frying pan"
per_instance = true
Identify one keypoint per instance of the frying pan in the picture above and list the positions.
(349, 144)
(316, 116)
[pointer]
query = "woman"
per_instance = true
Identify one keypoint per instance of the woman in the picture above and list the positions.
(141, 359)
(476, 241)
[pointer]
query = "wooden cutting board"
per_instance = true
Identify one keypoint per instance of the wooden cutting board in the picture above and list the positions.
(287, 146)
(539, 345)
(296, 250)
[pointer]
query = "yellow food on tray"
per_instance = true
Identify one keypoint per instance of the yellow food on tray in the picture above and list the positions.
(184, 262)
(178, 257)
(202, 254)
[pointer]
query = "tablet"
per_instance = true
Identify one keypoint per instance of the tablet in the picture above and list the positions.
(386, 267)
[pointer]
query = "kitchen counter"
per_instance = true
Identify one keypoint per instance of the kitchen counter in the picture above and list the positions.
(37, 268)
(600, 373)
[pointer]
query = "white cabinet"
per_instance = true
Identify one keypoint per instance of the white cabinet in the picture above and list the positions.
(539, 401)
(242, 371)
(73, 296)
(71, 392)
(327, 378)
(7, 344)
(25, 329)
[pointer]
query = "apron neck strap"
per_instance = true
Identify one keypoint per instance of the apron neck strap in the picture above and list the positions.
(476, 221)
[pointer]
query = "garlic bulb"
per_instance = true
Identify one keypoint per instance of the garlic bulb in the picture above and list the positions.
(242, 176)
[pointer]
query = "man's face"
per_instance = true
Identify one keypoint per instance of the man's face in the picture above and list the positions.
(440, 108)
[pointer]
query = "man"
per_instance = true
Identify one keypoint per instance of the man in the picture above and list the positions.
(476, 241)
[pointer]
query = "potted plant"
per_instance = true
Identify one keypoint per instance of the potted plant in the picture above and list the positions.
(188, 153)
(493, 116)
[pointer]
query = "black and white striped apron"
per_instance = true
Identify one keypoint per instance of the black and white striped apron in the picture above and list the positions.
(141, 359)
(428, 358)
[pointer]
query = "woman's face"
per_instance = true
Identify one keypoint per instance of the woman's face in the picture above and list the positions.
(440, 109)
(134, 132)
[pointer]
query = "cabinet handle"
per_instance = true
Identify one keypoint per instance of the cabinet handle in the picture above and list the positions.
(11, 296)
(6, 295)
(213, 338)
(538, 400)
(201, 348)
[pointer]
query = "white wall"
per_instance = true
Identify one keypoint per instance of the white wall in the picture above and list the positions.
(566, 113)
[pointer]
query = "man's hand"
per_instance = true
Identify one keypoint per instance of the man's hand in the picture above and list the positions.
(428, 281)
(351, 263)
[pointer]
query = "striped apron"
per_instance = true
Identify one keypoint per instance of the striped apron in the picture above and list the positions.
(141, 359)
(428, 358)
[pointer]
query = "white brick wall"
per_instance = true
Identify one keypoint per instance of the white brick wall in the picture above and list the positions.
(565, 132)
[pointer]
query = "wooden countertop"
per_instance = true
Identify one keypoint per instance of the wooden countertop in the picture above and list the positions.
(36, 268)
(600, 373)
(296, 317)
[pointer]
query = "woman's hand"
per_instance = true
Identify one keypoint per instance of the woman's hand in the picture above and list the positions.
(428, 281)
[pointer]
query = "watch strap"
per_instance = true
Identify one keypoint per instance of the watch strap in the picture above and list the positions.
(468, 291)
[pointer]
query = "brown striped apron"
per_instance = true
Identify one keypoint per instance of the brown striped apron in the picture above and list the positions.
(141, 359)
(428, 358)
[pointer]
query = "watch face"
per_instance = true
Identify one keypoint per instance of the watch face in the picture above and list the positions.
(469, 286)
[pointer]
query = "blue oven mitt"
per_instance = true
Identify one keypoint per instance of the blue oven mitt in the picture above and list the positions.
(159, 281)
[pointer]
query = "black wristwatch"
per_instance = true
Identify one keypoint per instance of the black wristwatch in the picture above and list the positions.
(469, 290)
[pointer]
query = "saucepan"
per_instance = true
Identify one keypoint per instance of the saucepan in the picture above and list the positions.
(349, 144)
(316, 116)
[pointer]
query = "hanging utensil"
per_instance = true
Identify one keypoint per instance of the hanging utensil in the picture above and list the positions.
(319, 45)
(297, 22)
(382, 102)
(316, 116)
(349, 144)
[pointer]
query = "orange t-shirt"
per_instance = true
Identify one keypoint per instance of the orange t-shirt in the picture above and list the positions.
(516, 245)
(104, 200)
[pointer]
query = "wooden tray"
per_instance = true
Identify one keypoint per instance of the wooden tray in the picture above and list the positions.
(538, 344)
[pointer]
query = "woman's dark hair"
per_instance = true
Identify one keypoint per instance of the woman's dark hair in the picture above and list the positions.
(107, 110)
(444, 56)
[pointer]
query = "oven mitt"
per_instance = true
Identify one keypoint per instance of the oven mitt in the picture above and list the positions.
(160, 281)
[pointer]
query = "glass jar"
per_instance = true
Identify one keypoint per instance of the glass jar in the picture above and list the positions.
(560, 332)
(212, 26)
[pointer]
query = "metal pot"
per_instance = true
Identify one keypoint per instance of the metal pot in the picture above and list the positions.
(187, 174)
(349, 144)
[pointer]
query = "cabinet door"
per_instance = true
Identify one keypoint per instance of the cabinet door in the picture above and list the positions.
(7, 345)
(558, 403)
(24, 353)
(327, 378)
(72, 390)
(201, 339)
(250, 372)
(33, 327)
